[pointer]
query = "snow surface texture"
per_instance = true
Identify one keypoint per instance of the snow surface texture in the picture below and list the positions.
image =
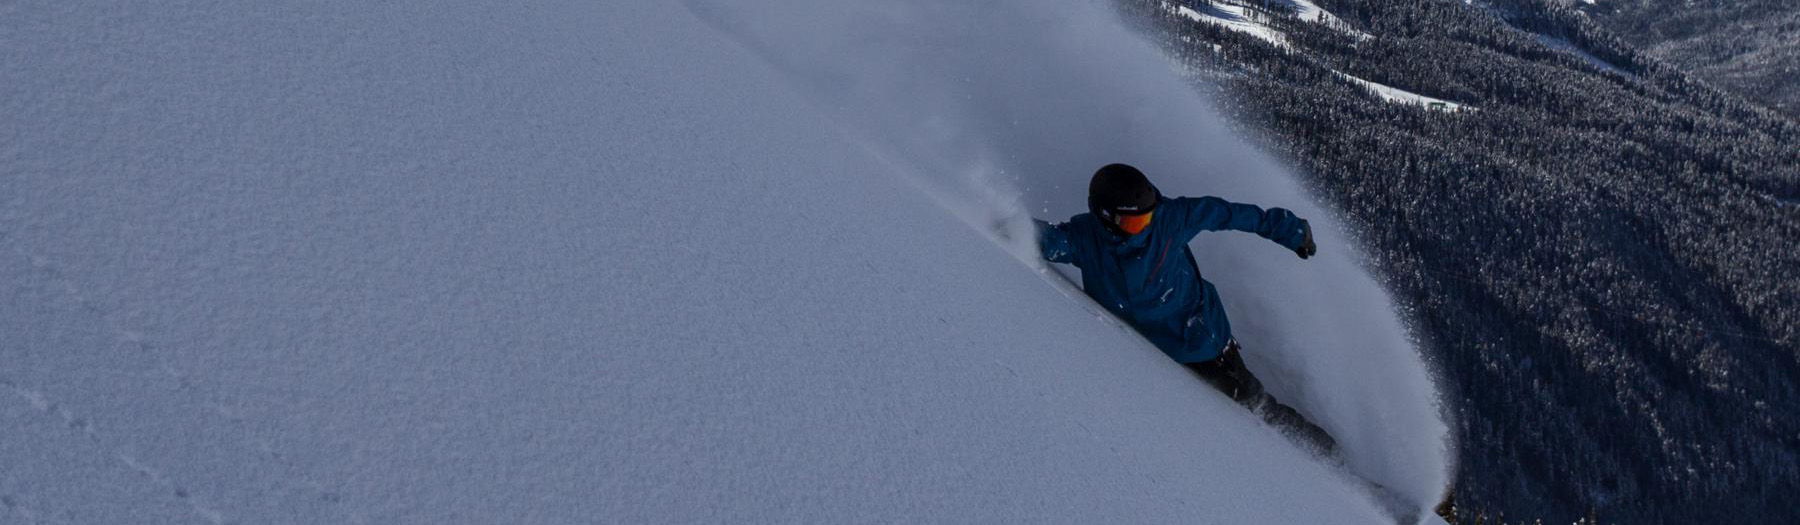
(462, 262)
(985, 102)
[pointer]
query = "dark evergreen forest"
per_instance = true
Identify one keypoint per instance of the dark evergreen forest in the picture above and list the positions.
(1751, 47)
(1600, 254)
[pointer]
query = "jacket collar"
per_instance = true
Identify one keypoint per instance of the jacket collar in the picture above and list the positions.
(1126, 244)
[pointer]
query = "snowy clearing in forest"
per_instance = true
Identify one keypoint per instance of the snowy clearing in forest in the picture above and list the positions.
(1565, 46)
(1250, 20)
(1401, 96)
(1236, 18)
(1310, 12)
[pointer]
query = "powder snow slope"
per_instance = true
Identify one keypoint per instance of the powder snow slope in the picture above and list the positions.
(1003, 109)
(552, 262)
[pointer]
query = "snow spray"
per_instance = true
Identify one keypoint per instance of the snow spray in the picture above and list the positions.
(1003, 109)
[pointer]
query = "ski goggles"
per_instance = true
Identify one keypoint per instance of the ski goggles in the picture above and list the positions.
(1131, 224)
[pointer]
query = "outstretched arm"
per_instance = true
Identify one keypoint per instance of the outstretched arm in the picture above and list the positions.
(1053, 241)
(1275, 224)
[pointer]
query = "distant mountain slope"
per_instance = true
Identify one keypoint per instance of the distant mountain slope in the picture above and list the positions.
(1596, 252)
(1751, 47)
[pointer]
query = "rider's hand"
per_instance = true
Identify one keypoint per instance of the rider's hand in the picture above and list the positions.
(1307, 248)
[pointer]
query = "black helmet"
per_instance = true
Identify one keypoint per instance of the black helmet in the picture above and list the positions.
(1119, 189)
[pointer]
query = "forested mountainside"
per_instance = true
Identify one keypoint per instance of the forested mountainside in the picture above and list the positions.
(1751, 47)
(1596, 246)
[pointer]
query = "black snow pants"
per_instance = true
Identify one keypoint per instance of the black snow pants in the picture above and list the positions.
(1228, 374)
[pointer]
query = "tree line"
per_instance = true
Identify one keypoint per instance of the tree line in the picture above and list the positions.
(1600, 257)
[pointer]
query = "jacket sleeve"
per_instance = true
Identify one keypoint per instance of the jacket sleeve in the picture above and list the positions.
(1054, 242)
(1213, 213)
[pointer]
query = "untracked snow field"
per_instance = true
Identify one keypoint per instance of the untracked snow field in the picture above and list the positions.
(550, 262)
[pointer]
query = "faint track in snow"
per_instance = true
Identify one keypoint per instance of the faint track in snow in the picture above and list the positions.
(56, 280)
(74, 422)
(13, 505)
(9, 500)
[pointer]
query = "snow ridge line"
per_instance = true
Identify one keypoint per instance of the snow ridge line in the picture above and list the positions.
(138, 343)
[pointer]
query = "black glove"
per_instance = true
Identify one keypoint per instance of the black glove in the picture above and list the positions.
(1307, 248)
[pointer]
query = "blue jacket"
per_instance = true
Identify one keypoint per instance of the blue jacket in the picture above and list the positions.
(1150, 279)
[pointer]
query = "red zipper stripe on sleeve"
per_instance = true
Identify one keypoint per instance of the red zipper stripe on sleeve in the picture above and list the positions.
(1158, 267)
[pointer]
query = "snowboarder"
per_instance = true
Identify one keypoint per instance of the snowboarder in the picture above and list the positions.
(1132, 249)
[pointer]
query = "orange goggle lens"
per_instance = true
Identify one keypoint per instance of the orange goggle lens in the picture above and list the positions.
(1133, 224)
